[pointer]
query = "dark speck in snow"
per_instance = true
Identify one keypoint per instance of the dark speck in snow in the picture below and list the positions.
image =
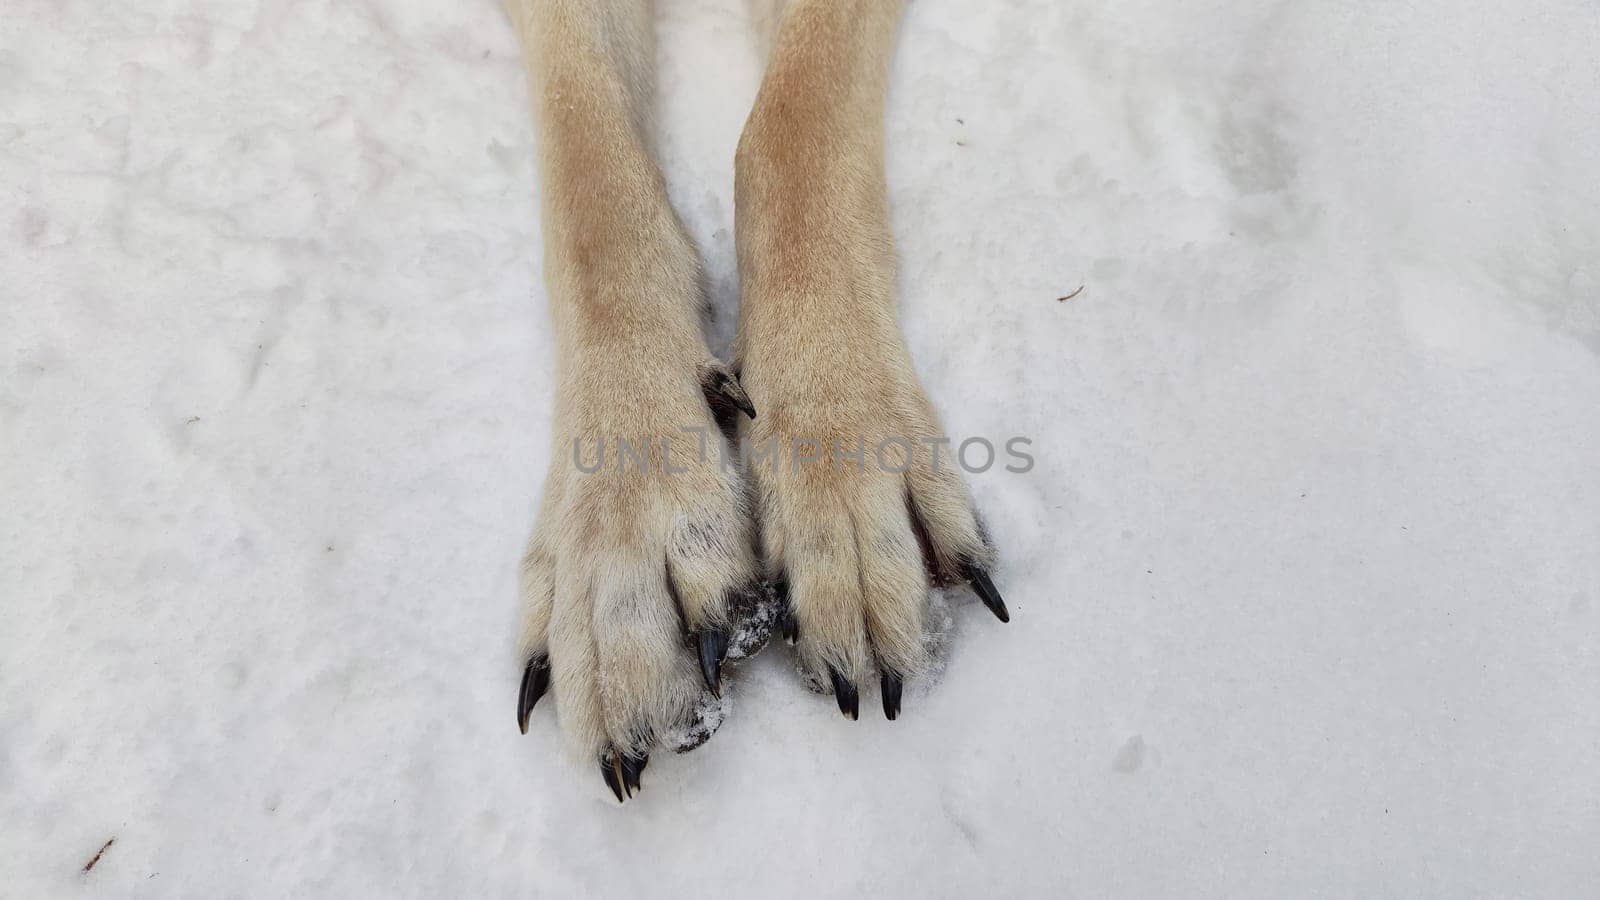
(99, 853)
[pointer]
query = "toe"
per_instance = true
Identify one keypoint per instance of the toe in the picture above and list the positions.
(942, 514)
(575, 665)
(648, 679)
(714, 580)
(895, 584)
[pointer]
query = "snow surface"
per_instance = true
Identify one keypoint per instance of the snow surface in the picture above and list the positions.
(1304, 584)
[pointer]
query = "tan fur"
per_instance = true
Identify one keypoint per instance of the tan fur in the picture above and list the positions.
(622, 280)
(819, 346)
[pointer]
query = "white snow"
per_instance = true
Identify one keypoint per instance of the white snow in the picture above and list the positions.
(1304, 584)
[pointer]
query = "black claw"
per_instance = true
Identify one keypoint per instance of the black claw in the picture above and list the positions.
(891, 686)
(788, 626)
(724, 390)
(535, 680)
(631, 767)
(713, 647)
(985, 590)
(734, 391)
(609, 770)
(845, 693)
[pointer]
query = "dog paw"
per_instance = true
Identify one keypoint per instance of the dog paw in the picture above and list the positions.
(862, 509)
(641, 579)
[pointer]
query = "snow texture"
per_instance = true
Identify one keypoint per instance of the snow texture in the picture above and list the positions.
(1303, 584)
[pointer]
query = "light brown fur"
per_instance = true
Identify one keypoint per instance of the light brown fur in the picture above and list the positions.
(819, 352)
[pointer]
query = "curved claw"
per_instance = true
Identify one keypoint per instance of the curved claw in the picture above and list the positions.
(722, 388)
(891, 685)
(632, 766)
(984, 588)
(535, 681)
(845, 692)
(713, 647)
(611, 771)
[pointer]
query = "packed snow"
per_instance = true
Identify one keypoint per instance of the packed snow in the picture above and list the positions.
(1303, 584)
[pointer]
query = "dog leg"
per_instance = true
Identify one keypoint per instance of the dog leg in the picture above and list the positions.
(857, 514)
(642, 569)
